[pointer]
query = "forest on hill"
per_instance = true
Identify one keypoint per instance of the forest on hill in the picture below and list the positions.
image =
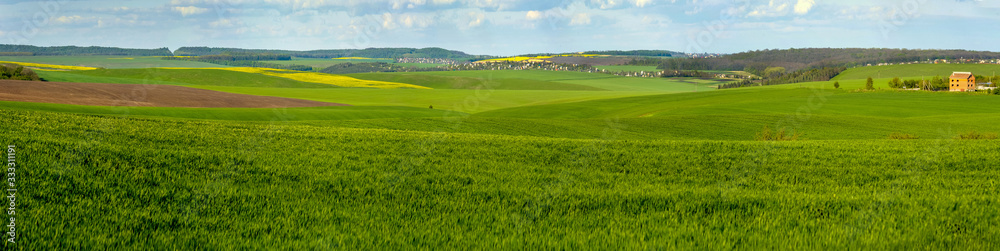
(638, 53)
(758, 61)
(632, 53)
(363, 53)
(29, 50)
(246, 59)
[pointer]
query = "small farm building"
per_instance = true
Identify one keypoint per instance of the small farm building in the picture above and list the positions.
(962, 82)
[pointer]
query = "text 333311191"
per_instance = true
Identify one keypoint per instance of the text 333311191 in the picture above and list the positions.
(11, 192)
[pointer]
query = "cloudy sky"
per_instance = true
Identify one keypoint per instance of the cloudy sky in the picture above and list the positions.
(506, 27)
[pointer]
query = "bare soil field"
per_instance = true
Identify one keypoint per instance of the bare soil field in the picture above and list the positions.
(140, 95)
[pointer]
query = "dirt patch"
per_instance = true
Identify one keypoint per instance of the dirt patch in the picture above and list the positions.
(140, 95)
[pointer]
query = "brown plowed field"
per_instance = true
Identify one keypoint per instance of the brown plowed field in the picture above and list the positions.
(139, 95)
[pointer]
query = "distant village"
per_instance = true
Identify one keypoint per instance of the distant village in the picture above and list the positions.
(945, 61)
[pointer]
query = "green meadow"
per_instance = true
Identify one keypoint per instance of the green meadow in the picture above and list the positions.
(513, 160)
(443, 81)
(187, 77)
(917, 71)
(277, 185)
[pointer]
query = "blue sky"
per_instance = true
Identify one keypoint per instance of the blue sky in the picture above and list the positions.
(506, 27)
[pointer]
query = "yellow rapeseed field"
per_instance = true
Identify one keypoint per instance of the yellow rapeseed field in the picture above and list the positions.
(510, 59)
(538, 58)
(50, 66)
(357, 58)
(316, 77)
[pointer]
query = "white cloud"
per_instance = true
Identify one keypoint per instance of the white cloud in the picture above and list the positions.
(642, 3)
(580, 19)
(190, 10)
(607, 4)
(416, 20)
(803, 6)
(781, 8)
(614, 4)
(388, 22)
(224, 23)
(477, 19)
(774, 8)
(533, 15)
(73, 19)
(408, 21)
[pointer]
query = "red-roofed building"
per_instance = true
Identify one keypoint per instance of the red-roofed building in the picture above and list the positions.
(962, 82)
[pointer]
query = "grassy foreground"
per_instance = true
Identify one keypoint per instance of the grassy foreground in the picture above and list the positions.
(99, 182)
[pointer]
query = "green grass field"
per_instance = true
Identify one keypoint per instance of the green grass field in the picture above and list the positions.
(917, 71)
(470, 101)
(454, 82)
(510, 160)
(240, 114)
(529, 74)
(185, 77)
(212, 184)
(594, 80)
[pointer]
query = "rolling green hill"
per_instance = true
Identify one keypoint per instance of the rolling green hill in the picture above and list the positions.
(595, 80)
(529, 74)
(463, 100)
(767, 101)
(916, 71)
(239, 114)
(454, 82)
(185, 77)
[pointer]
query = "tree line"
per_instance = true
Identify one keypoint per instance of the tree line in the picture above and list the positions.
(987, 79)
(365, 53)
(17, 72)
(25, 50)
(756, 62)
(633, 53)
(243, 56)
(936, 83)
(777, 76)
(637, 53)
(243, 59)
(687, 74)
